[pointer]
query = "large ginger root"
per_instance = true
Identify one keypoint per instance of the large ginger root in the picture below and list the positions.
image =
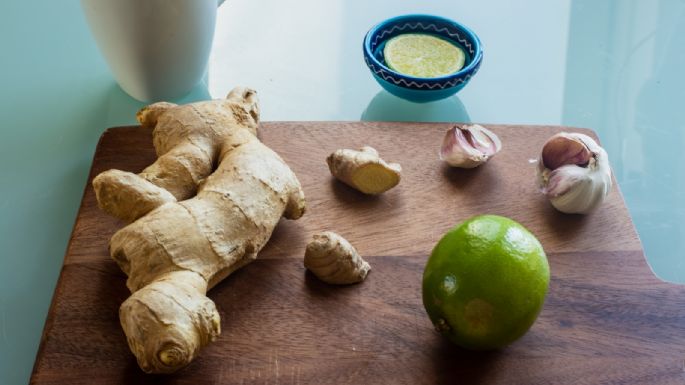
(334, 260)
(192, 229)
(364, 170)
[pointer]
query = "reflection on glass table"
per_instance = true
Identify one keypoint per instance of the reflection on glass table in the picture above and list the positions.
(386, 107)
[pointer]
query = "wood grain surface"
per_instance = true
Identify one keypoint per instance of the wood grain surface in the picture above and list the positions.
(607, 318)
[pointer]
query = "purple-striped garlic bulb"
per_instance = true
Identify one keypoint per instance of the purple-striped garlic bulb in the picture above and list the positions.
(574, 173)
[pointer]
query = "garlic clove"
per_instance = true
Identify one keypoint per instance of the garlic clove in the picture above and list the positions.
(564, 149)
(469, 146)
(561, 180)
(583, 196)
(574, 173)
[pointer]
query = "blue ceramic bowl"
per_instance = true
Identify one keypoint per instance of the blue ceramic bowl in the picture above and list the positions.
(415, 89)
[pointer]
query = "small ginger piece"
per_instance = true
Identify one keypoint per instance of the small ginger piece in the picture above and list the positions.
(334, 260)
(364, 170)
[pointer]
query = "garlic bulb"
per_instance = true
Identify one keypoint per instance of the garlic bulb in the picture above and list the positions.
(469, 146)
(574, 173)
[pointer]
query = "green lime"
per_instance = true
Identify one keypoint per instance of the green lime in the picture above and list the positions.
(485, 282)
(422, 55)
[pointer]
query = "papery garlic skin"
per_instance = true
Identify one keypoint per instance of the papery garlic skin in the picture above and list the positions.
(469, 146)
(574, 173)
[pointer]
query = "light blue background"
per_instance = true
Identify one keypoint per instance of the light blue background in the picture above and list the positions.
(615, 66)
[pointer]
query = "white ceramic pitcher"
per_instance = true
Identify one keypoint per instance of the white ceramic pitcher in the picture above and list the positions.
(157, 49)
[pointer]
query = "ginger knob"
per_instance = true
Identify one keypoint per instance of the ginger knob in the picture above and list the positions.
(364, 170)
(334, 260)
(202, 210)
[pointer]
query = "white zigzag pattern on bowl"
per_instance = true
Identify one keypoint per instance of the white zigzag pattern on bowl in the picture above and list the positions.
(382, 73)
(431, 26)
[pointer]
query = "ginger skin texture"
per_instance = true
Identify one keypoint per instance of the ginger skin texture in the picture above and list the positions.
(364, 170)
(205, 208)
(334, 260)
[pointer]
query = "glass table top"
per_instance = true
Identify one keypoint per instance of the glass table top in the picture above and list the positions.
(613, 66)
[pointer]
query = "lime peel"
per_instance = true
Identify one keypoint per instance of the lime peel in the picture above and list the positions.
(501, 277)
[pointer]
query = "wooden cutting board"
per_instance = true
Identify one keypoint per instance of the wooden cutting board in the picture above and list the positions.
(607, 318)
